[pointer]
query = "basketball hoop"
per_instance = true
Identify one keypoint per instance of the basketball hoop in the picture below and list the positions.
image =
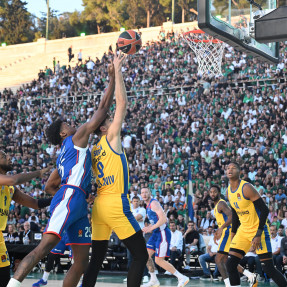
(208, 51)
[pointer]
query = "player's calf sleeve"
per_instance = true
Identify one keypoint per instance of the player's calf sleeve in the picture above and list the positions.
(137, 246)
(231, 265)
(99, 250)
(4, 275)
(269, 268)
(50, 262)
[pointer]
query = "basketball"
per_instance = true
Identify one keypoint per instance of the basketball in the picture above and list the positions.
(129, 42)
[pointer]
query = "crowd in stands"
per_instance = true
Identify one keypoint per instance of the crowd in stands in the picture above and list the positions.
(176, 120)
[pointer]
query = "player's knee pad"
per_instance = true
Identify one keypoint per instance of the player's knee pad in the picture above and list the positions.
(232, 264)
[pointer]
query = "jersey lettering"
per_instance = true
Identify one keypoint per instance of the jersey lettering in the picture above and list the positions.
(236, 205)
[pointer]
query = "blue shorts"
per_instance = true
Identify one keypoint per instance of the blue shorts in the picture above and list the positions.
(62, 246)
(70, 216)
(160, 242)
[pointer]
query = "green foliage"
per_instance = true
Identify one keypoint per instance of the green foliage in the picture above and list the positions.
(15, 22)
(17, 25)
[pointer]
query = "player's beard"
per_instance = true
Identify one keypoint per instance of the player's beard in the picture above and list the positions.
(6, 167)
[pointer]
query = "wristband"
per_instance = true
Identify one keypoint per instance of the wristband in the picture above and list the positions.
(43, 202)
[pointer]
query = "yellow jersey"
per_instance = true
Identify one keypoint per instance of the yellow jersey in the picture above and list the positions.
(245, 209)
(220, 217)
(5, 200)
(110, 169)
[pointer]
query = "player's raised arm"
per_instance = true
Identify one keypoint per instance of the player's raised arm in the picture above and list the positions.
(81, 137)
(21, 177)
(114, 130)
(251, 193)
(53, 183)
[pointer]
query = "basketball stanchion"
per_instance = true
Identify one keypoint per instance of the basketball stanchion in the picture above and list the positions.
(208, 51)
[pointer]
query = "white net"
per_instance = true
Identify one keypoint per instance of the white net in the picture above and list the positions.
(208, 51)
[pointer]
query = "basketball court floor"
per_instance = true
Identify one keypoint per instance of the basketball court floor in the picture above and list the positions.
(117, 281)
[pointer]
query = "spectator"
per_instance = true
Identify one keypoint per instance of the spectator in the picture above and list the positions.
(248, 259)
(70, 54)
(80, 57)
(276, 245)
(191, 237)
(12, 236)
(283, 249)
(209, 257)
(26, 235)
(176, 244)
(207, 221)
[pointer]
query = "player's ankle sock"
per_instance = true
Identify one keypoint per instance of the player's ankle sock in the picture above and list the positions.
(227, 282)
(46, 276)
(178, 275)
(153, 276)
(14, 283)
(248, 273)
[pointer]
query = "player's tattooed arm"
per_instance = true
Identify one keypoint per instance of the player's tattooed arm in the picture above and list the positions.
(21, 177)
(150, 265)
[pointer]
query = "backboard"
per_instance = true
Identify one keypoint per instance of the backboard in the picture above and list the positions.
(232, 21)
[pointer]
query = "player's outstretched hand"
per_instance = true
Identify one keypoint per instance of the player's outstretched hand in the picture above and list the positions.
(45, 170)
(119, 60)
(147, 229)
(256, 242)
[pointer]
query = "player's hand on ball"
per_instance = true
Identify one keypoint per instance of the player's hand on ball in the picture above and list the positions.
(147, 229)
(119, 60)
(256, 242)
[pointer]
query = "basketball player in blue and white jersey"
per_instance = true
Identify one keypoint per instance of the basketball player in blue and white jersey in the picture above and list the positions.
(69, 206)
(159, 242)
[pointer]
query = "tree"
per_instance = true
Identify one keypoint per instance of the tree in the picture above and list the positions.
(186, 5)
(16, 22)
(152, 7)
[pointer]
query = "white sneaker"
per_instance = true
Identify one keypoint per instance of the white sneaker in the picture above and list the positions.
(145, 279)
(167, 273)
(151, 283)
(253, 281)
(183, 281)
(125, 280)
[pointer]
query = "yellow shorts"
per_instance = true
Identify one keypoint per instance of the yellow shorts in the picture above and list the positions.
(113, 213)
(225, 240)
(4, 257)
(242, 241)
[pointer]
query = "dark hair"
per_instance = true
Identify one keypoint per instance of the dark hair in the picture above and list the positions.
(172, 221)
(53, 132)
(136, 197)
(236, 164)
(216, 186)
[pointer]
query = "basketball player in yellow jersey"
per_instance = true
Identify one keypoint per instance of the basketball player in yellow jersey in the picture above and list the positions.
(249, 227)
(7, 194)
(111, 210)
(223, 217)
